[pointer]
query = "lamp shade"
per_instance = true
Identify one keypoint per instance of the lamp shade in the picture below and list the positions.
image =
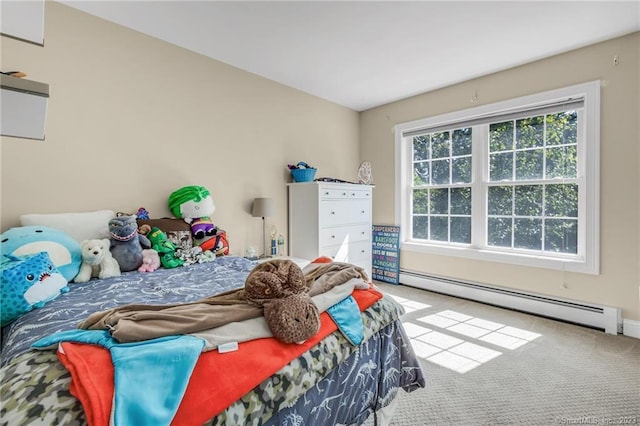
(262, 207)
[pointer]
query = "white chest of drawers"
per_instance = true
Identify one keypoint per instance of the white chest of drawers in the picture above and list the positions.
(331, 219)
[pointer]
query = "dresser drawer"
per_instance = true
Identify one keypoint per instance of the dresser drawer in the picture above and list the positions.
(334, 213)
(334, 193)
(344, 235)
(351, 253)
(342, 193)
(359, 193)
(360, 211)
(343, 212)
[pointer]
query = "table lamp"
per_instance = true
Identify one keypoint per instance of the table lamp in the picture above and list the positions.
(263, 207)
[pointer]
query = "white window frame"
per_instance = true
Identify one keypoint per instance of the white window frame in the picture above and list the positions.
(587, 259)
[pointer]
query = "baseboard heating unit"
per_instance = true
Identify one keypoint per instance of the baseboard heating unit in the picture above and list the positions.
(601, 317)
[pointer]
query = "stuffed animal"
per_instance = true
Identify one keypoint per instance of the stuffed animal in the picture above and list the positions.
(279, 286)
(150, 261)
(144, 229)
(217, 243)
(63, 250)
(142, 213)
(165, 248)
(28, 282)
(127, 243)
(97, 261)
(195, 205)
(206, 256)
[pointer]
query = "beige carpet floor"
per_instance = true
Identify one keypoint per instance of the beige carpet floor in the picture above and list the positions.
(486, 365)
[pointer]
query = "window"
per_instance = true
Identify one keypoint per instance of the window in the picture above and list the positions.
(514, 182)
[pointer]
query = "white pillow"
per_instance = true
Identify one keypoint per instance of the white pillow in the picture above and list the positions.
(80, 226)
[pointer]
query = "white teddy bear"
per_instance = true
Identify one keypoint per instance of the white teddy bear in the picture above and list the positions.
(97, 261)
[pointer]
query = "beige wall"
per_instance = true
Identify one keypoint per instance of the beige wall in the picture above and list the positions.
(132, 118)
(617, 285)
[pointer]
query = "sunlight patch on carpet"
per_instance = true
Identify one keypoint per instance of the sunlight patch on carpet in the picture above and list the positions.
(450, 347)
(409, 305)
(454, 362)
(440, 340)
(415, 330)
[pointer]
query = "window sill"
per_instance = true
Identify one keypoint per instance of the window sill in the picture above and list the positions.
(534, 261)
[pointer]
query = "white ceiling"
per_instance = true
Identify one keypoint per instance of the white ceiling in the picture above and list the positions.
(362, 54)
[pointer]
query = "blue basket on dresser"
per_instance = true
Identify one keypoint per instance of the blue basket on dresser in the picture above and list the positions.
(303, 175)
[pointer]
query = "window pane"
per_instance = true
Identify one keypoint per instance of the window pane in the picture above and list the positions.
(421, 148)
(420, 201)
(461, 230)
(421, 173)
(500, 201)
(439, 201)
(501, 136)
(461, 142)
(501, 166)
(561, 200)
(461, 172)
(530, 132)
(562, 162)
(420, 227)
(562, 128)
(523, 200)
(528, 200)
(499, 232)
(461, 201)
(529, 164)
(440, 228)
(527, 234)
(440, 145)
(440, 172)
(561, 235)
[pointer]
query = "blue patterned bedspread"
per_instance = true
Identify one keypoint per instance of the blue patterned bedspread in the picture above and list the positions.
(333, 383)
(163, 286)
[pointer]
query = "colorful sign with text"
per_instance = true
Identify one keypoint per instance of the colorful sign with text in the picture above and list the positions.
(386, 253)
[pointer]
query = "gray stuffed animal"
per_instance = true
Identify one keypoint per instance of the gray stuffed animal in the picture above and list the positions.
(127, 243)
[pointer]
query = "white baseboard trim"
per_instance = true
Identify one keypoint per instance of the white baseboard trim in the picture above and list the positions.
(631, 328)
(606, 318)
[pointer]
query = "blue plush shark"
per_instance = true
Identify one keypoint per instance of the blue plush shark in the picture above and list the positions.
(28, 282)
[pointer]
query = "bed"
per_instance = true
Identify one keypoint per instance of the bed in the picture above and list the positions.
(330, 381)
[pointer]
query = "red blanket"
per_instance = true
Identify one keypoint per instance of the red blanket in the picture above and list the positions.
(217, 379)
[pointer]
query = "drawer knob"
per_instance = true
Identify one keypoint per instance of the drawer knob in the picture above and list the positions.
(333, 236)
(333, 212)
(344, 193)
